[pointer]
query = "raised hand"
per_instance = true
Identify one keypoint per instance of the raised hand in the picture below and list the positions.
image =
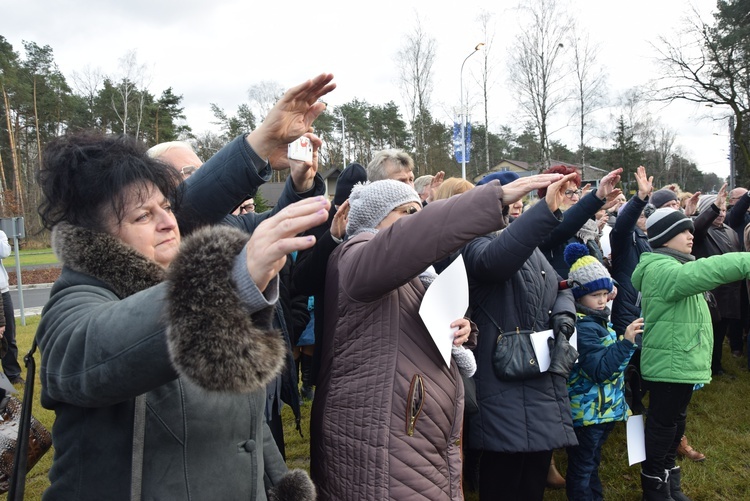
(555, 196)
(277, 236)
(516, 190)
(691, 204)
(291, 116)
(303, 173)
(612, 199)
(437, 180)
(338, 225)
(645, 183)
(721, 197)
(608, 183)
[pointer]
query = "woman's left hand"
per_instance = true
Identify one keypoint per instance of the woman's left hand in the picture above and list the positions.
(277, 236)
(462, 334)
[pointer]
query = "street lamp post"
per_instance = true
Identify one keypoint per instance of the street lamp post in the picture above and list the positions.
(731, 153)
(464, 113)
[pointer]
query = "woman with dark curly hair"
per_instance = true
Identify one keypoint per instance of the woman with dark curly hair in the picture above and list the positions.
(156, 351)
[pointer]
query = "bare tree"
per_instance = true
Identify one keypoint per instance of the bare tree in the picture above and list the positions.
(537, 67)
(131, 86)
(263, 96)
(590, 83)
(710, 64)
(87, 83)
(415, 61)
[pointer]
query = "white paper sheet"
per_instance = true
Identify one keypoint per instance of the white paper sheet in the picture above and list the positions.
(541, 349)
(636, 440)
(446, 300)
(5, 384)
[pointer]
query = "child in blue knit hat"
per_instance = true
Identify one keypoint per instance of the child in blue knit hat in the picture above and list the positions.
(596, 383)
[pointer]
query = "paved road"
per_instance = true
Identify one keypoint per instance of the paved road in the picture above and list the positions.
(34, 298)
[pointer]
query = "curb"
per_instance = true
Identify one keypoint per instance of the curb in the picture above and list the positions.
(31, 286)
(28, 312)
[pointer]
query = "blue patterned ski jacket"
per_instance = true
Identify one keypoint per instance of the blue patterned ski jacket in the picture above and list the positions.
(596, 383)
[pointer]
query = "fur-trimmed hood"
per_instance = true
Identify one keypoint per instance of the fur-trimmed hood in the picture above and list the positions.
(208, 324)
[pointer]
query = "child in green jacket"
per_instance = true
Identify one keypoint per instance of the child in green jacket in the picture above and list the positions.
(677, 338)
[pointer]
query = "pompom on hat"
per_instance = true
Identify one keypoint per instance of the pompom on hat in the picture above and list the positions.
(371, 202)
(586, 270)
(665, 224)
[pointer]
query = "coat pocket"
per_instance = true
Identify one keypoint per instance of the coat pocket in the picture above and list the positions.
(414, 403)
(694, 340)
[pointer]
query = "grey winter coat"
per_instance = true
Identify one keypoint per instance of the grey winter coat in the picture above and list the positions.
(108, 334)
(387, 414)
(116, 327)
(514, 282)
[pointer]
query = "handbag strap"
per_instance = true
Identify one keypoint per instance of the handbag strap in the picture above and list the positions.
(18, 480)
(139, 432)
(499, 329)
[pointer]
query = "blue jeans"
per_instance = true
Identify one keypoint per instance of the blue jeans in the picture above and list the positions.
(582, 477)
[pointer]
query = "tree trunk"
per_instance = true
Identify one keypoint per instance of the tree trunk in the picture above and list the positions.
(12, 141)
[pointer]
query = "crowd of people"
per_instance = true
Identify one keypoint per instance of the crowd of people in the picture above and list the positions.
(183, 321)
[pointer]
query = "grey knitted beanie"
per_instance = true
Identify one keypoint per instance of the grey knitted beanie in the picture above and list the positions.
(664, 224)
(370, 203)
(662, 196)
(704, 202)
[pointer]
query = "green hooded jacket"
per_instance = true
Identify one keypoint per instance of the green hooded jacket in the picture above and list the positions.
(678, 336)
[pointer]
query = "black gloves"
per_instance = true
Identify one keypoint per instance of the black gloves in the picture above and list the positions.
(562, 355)
(563, 323)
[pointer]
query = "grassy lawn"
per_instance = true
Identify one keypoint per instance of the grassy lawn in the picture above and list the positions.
(30, 257)
(718, 426)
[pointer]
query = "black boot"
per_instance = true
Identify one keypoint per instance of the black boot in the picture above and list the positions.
(674, 485)
(655, 488)
(306, 367)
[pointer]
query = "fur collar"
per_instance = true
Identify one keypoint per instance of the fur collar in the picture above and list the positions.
(207, 324)
(105, 258)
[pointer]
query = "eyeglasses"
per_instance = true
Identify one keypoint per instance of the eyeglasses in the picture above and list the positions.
(188, 170)
(247, 207)
(407, 211)
(571, 193)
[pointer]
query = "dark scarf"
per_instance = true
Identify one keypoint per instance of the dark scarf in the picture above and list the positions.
(680, 256)
(602, 315)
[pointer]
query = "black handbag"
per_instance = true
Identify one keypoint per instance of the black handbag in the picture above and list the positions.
(513, 358)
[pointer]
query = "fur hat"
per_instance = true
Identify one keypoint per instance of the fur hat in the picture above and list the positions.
(664, 224)
(371, 202)
(662, 196)
(505, 177)
(352, 175)
(585, 269)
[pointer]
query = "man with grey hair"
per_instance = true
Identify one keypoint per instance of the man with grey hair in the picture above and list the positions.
(178, 154)
(391, 164)
(422, 186)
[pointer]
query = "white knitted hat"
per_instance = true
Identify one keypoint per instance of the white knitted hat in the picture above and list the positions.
(370, 203)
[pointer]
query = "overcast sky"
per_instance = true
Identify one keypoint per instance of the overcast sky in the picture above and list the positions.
(213, 51)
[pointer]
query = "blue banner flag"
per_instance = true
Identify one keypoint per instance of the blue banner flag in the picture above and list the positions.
(458, 151)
